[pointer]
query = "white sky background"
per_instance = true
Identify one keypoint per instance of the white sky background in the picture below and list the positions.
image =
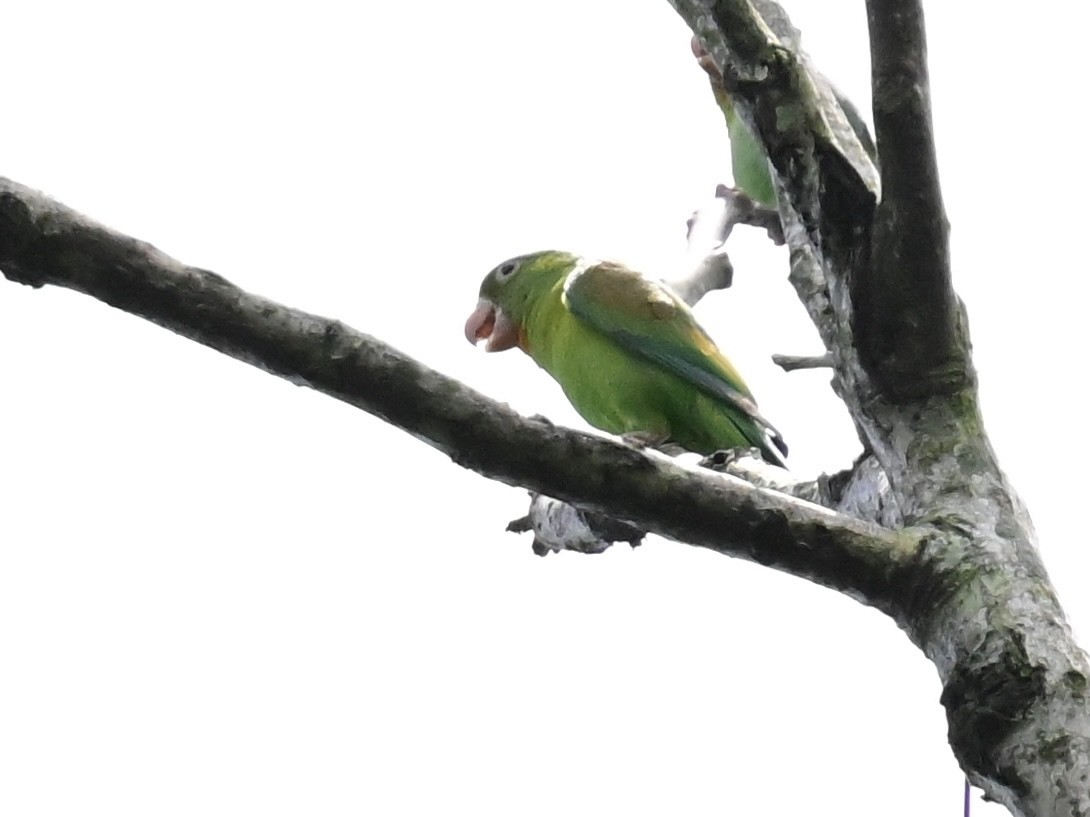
(222, 594)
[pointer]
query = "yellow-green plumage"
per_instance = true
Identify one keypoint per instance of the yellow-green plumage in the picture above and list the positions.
(748, 160)
(627, 352)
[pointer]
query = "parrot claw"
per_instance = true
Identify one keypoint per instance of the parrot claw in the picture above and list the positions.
(643, 439)
(748, 211)
(657, 442)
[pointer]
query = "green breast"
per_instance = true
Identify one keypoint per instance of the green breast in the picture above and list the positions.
(619, 392)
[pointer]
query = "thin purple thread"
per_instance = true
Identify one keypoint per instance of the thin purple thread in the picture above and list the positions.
(966, 797)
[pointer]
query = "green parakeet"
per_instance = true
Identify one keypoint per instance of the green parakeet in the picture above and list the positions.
(748, 161)
(627, 351)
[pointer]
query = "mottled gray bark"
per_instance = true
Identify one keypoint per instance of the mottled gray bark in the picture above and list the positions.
(869, 261)
(905, 309)
(924, 526)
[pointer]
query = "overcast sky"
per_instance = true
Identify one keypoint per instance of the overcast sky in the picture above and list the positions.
(221, 594)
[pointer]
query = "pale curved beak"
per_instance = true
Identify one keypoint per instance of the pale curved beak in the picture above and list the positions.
(491, 324)
(480, 323)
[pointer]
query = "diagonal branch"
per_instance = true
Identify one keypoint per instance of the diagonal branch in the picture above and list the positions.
(968, 590)
(42, 242)
(907, 320)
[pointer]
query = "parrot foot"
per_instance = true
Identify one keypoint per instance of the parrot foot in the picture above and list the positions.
(744, 210)
(644, 439)
(649, 439)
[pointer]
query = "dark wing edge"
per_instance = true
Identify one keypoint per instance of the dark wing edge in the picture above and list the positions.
(581, 296)
(773, 446)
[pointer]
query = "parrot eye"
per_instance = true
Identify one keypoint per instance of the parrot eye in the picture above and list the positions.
(506, 270)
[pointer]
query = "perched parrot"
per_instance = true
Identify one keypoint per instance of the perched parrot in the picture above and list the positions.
(748, 159)
(627, 351)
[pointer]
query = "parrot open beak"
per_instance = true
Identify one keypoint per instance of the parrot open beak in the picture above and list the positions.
(491, 324)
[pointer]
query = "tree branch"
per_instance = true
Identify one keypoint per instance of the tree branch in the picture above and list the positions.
(707, 266)
(908, 326)
(980, 604)
(793, 363)
(42, 242)
(963, 579)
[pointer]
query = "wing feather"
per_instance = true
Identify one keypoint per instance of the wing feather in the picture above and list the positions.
(647, 319)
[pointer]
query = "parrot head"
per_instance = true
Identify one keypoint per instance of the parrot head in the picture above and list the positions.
(509, 292)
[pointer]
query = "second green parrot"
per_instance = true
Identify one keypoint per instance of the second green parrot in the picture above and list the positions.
(627, 351)
(748, 159)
